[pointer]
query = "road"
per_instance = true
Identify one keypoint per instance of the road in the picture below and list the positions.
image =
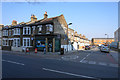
(83, 66)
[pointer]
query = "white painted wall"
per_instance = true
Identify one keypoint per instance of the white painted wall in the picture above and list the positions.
(16, 49)
(75, 46)
(65, 47)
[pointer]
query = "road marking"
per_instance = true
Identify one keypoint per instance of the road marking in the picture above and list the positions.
(70, 57)
(85, 61)
(113, 65)
(68, 73)
(102, 63)
(13, 62)
(92, 62)
(84, 58)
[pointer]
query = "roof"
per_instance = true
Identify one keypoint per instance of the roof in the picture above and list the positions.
(102, 38)
(41, 21)
(46, 20)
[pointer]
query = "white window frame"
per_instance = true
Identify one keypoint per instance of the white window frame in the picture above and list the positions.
(49, 28)
(33, 29)
(16, 31)
(5, 41)
(15, 40)
(27, 28)
(39, 29)
(5, 32)
(26, 42)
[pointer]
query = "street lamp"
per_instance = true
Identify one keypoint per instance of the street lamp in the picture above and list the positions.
(107, 38)
(67, 35)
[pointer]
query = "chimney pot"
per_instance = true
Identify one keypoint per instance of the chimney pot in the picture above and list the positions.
(45, 15)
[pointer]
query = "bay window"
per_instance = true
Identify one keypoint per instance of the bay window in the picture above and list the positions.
(16, 31)
(16, 42)
(39, 29)
(26, 30)
(49, 28)
(26, 42)
(5, 32)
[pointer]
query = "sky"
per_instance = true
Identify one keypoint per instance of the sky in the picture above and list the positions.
(92, 19)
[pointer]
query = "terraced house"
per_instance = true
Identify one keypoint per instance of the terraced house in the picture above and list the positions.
(49, 33)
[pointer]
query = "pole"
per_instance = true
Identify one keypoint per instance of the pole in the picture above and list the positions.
(67, 38)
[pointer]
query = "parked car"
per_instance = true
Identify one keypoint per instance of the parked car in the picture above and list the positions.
(87, 47)
(105, 48)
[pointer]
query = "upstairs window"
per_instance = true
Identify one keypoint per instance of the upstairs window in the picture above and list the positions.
(39, 29)
(33, 29)
(16, 31)
(26, 30)
(10, 32)
(5, 42)
(49, 28)
(5, 32)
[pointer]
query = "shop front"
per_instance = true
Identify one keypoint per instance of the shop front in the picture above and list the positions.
(51, 43)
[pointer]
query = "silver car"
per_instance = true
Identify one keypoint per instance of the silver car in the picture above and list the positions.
(105, 48)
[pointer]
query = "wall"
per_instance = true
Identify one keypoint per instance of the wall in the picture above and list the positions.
(16, 49)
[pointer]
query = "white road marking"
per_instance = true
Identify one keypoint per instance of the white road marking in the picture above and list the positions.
(113, 65)
(92, 62)
(13, 62)
(84, 58)
(85, 61)
(102, 63)
(68, 73)
(70, 57)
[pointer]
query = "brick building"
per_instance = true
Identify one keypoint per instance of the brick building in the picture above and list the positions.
(50, 33)
(46, 33)
(100, 41)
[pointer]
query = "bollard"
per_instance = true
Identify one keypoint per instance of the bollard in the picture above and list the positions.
(27, 50)
(44, 50)
(35, 50)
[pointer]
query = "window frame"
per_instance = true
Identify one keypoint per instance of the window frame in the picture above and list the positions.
(25, 43)
(26, 30)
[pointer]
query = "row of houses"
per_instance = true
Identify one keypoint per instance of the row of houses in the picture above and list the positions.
(50, 33)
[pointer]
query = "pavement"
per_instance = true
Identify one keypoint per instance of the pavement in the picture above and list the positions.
(114, 54)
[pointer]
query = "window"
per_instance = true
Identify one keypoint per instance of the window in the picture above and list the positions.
(5, 32)
(39, 28)
(49, 28)
(12, 32)
(26, 42)
(95, 42)
(5, 42)
(99, 42)
(0, 42)
(9, 32)
(65, 29)
(17, 31)
(26, 30)
(16, 42)
(33, 29)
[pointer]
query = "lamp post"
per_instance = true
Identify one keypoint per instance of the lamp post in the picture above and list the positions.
(67, 35)
(107, 38)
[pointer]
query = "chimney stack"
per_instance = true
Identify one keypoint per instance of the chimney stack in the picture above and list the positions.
(33, 17)
(1, 26)
(14, 22)
(45, 15)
